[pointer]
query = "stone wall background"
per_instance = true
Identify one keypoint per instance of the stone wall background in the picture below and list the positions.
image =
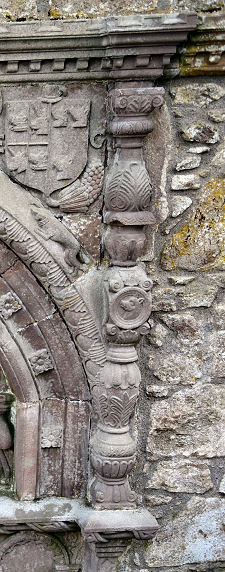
(180, 472)
(35, 9)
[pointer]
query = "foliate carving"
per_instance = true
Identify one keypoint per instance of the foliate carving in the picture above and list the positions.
(114, 410)
(124, 245)
(9, 304)
(120, 376)
(85, 332)
(6, 439)
(40, 362)
(79, 196)
(51, 437)
(136, 101)
(26, 245)
(127, 309)
(128, 188)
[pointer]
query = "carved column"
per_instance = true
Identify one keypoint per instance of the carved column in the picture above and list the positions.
(127, 297)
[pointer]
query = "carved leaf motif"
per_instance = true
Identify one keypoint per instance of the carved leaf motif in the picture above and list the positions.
(128, 409)
(113, 410)
(138, 104)
(81, 194)
(129, 189)
(32, 250)
(103, 406)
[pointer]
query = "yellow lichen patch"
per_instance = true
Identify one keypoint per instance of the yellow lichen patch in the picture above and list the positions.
(200, 244)
(54, 13)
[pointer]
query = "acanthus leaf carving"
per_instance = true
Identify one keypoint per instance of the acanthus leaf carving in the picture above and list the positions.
(128, 189)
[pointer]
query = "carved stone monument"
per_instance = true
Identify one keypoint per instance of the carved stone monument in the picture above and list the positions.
(73, 94)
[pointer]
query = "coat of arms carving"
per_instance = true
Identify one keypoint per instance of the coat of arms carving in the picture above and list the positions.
(45, 136)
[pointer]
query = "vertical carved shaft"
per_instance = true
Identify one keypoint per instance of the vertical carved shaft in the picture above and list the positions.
(127, 298)
(6, 439)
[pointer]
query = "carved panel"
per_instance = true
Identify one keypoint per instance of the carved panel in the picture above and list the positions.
(41, 362)
(51, 437)
(9, 303)
(52, 135)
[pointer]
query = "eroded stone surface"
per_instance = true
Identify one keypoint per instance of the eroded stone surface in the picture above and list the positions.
(157, 335)
(197, 95)
(218, 116)
(157, 500)
(201, 132)
(181, 476)
(199, 149)
(177, 428)
(184, 324)
(200, 243)
(179, 205)
(189, 162)
(219, 158)
(153, 390)
(185, 182)
(194, 535)
(175, 368)
(222, 485)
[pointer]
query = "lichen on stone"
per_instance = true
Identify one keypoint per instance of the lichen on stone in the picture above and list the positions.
(200, 243)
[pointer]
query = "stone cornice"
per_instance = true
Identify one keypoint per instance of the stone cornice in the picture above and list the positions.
(205, 51)
(133, 47)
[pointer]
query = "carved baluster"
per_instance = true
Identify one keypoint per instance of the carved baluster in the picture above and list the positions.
(126, 293)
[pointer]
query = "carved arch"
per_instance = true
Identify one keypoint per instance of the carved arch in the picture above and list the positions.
(41, 362)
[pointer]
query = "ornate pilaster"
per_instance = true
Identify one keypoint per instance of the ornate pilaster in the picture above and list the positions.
(126, 291)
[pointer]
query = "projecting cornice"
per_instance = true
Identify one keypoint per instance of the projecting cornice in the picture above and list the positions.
(131, 47)
(205, 51)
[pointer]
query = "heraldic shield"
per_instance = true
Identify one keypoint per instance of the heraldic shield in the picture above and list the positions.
(46, 138)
